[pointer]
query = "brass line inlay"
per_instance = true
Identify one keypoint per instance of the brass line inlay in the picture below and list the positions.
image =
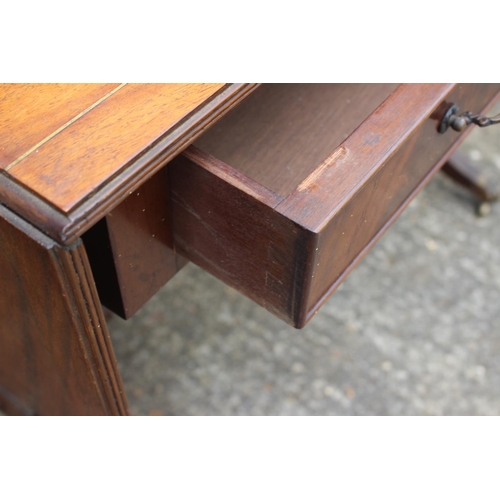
(60, 129)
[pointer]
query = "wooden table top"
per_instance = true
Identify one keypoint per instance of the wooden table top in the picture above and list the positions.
(71, 152)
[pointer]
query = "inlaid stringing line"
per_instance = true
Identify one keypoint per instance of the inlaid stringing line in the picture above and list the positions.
(60, 129)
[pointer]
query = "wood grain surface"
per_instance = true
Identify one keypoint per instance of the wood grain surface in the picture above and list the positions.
(31, 114)
(383, 179)
(131, 249)
(72, 164)
(281, 133)
(93, 163)
(289, 255)
(227, 224)
(55, 353)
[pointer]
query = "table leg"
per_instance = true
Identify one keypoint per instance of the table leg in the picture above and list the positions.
(56, 356)
(474, 178)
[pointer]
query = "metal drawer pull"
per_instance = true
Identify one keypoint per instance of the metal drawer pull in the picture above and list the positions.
(459, 122)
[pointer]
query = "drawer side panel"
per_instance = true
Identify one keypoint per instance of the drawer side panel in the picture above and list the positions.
(235, 234)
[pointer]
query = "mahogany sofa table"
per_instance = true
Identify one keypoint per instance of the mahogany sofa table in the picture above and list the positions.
(107, 190)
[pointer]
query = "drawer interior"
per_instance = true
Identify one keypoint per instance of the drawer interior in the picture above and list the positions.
(282, 132)
(285, 195)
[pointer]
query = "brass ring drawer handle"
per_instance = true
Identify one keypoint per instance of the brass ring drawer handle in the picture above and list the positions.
(459, 122)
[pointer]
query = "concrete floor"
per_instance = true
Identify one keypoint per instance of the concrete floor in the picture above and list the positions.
(414, 330)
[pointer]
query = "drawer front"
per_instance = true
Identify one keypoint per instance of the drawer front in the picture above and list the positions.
(289, 254)
(349, 229)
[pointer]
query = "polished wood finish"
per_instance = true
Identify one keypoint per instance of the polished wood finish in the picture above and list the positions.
(130, 249)
(109, 136)
(227, 224)
(55, 353)
(31, 114)
(281, 202)
(385, 166)
(280, 133)
(95, 162)
(290, 254)
(101, 146)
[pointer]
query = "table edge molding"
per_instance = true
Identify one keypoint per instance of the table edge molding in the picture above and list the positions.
(65, 228)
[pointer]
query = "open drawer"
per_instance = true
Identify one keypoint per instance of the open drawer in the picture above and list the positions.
(290, 189)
